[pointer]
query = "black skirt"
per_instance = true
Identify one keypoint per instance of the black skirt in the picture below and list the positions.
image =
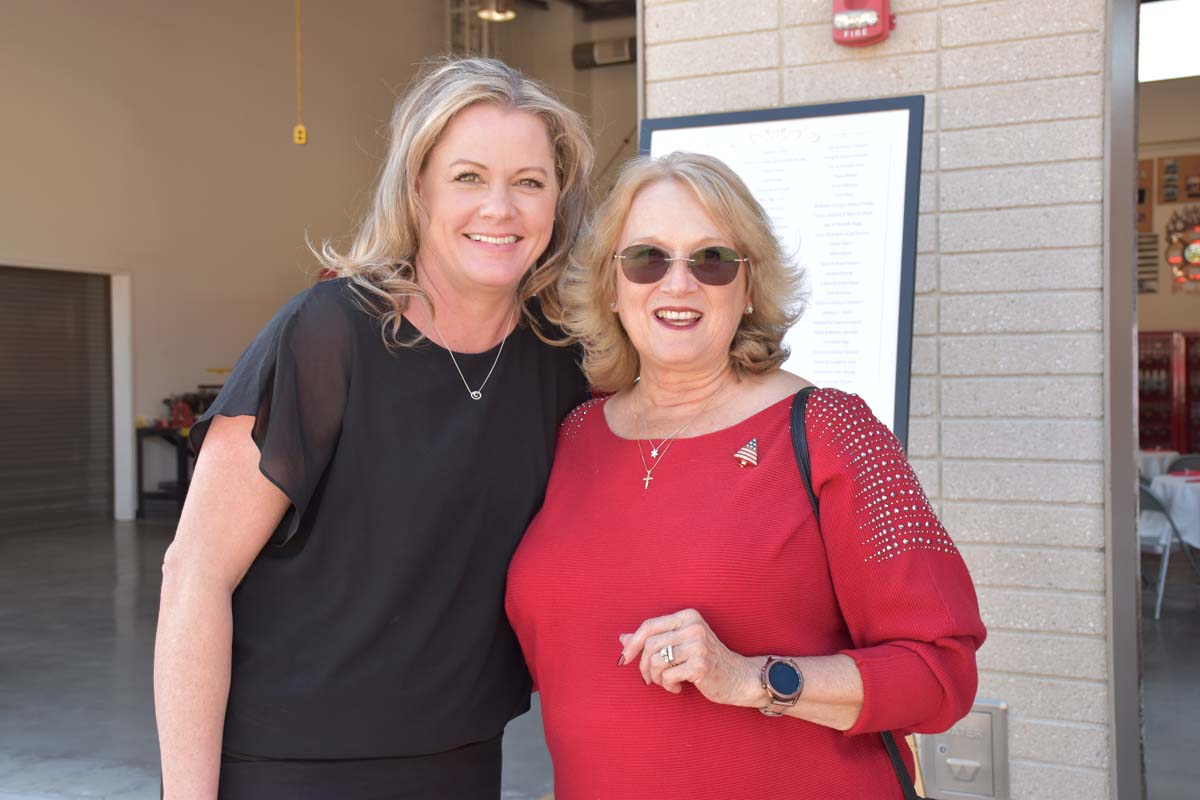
(466, 773)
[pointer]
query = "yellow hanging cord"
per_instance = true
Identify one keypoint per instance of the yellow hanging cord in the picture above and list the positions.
(299, 133)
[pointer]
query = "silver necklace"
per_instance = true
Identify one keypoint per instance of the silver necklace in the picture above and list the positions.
(655, 452)
(656, 448)
(475, 394)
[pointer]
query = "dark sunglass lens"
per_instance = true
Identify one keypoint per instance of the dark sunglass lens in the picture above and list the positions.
(644, 264)
(716, 266)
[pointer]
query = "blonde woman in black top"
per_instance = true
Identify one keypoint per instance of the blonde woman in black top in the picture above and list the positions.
(331, 620)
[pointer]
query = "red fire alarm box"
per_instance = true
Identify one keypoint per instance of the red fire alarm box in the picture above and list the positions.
(858, 23)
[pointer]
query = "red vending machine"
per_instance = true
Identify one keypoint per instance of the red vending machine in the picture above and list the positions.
(1169, 391)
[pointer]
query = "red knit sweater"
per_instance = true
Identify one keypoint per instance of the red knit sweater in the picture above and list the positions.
(879, 581)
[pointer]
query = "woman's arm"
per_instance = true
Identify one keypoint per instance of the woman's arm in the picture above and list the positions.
(231, 512)
(903, 589)
(832, 694)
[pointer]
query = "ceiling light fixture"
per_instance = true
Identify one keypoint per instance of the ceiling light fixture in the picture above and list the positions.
(496, 11)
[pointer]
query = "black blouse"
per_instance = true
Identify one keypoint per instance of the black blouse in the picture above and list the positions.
(372, 624)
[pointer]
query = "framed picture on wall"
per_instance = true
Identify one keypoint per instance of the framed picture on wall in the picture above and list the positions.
(1179, 178)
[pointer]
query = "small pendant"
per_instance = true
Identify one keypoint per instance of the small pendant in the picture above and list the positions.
(654, 452)
(475, 395)
(647, 480)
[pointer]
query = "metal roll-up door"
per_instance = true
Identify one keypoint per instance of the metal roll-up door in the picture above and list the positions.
(56, 443)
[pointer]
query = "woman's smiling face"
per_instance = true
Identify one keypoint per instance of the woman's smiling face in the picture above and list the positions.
(677, 324)
(489, 193)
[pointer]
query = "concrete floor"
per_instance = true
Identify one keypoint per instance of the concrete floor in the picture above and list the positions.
(1171, 684)
(77, 617)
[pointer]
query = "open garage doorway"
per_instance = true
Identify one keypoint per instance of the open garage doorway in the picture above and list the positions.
(1168, 397)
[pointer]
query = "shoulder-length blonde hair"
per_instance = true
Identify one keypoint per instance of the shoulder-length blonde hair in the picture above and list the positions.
(589, 284)
(380, 262)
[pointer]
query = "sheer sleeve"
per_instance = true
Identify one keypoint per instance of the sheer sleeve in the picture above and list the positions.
(294, 379)
(901, 584)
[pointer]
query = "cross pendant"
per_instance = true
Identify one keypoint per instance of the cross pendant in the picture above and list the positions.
(646, 480)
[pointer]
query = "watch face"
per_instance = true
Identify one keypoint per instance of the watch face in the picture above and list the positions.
(784, 679)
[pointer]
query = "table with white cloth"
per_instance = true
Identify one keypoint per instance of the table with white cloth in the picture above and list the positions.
(1155, 462)
(1180, 495)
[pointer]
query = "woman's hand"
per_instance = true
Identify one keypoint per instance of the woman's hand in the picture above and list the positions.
(700, 659)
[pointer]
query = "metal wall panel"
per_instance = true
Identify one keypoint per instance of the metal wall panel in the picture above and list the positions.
(56, 445)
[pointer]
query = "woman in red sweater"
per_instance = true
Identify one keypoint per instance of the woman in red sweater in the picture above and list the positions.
(693, 630)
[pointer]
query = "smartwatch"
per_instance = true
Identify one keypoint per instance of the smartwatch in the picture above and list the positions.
(783, 682)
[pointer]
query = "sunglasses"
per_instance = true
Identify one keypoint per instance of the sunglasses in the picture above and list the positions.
(713, 266)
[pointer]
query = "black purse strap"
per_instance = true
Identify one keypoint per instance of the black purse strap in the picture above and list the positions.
(800, 445)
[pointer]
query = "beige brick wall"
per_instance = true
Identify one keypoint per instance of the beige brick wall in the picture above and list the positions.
(1007, 394)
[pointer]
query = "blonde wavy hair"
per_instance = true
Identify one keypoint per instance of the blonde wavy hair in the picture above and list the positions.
(380, 261)
(589, 284)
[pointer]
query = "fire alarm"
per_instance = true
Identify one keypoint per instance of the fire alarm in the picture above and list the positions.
(858, 23)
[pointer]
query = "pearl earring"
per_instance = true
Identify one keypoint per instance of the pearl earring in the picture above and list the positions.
(749, 309)
(612, 307)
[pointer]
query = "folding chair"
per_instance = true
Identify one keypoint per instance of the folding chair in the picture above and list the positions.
(1162, 545)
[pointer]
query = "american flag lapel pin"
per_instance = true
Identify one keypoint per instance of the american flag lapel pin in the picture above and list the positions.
(747, 454)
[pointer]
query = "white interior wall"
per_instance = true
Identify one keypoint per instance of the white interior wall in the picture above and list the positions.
(154, 140)
(611, 93)
(539, 43)
(1168, 124)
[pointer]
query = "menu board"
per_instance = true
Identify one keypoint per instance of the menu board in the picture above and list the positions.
(840, 183)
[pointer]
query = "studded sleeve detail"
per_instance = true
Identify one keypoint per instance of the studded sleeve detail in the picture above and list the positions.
(573, 422)
(891, 510)
(902, 586)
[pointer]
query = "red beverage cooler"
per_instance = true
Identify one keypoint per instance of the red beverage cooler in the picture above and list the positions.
(1169, 391)
(1192, 381)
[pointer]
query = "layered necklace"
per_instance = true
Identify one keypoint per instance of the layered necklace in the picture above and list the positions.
(475, 394)
(658, 452)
